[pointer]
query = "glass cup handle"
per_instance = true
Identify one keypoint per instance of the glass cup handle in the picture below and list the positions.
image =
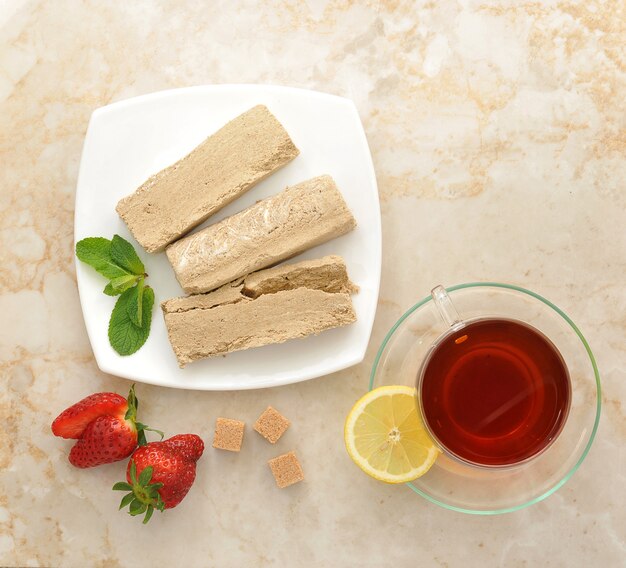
(445, 307)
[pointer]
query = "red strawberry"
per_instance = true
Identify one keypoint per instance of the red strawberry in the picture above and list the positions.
(160, 474)
(71, 423)
(106, 427)
(107, 439)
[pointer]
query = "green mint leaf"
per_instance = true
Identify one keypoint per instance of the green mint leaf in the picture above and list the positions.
(123, 254)
(123, 283)
(148, 303)
(110, 291)
(125, 337)
(96, 252)
(135, 305)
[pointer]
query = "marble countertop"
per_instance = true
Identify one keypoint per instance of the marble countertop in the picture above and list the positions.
(498, 136)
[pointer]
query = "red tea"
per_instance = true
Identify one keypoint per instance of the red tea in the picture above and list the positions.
(496, 392)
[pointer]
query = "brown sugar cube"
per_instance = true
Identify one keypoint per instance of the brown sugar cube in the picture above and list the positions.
(228, 434)
(271, 425)
(286, 470)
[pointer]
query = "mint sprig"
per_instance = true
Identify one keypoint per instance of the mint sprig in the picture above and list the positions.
(124, 255)
(125, 335)
(117, 260)
(121, 284)
(96, 252)
(134, 308)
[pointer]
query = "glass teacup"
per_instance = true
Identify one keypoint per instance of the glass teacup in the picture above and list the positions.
(493, 391)
(471, 485)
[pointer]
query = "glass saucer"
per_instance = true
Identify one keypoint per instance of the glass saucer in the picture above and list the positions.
(458, 486)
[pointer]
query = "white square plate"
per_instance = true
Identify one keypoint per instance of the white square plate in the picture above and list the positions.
(130, 140)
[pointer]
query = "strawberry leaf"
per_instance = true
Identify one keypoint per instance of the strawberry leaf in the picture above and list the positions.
(131, 414)
(141, 437)
(142, 429)
(148, 514)
(126, 500)
(144, 496)
(137, 507)
(160, 504)
(145, 476)
(133, 404)
(154, 489)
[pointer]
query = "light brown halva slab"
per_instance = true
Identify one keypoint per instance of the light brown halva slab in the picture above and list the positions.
(223, 167)
(274, 229)
(328, 273)
(198, 333)
(227, 294)
(251, 313)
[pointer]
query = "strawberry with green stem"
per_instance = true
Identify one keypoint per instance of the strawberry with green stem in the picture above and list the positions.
(106, 427)
(160, 474)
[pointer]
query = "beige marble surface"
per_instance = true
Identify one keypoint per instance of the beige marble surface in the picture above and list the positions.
(498, 135)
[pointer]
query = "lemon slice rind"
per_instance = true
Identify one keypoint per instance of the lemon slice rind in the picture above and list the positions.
(382, 474)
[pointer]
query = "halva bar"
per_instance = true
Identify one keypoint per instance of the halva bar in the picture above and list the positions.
(249, 314)
(227, 164)
(274, 229)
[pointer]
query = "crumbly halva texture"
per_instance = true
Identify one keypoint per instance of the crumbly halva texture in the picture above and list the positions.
(328, 274)
(286, 470)
(198, 332)
(228, 434)
(227, 294)
(271, 425)
(274, 229)
(223, 167)
(238, 316)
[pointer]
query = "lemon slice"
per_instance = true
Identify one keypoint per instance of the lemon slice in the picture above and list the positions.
(386, 438)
